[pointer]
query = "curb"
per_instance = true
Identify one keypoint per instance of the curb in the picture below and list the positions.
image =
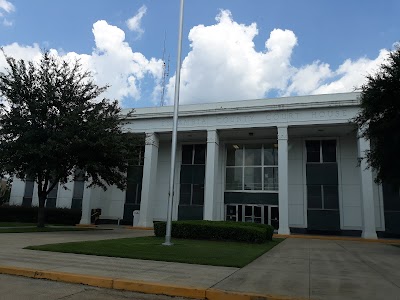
(138, 228)
(86, 225)
(336, 238)
(139, 286)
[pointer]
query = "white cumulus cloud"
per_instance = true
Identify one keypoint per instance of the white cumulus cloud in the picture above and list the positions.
(6, 7)
(223, 64)
(135, 23)
(112, 62)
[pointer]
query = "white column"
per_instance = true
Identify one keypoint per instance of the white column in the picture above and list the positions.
(367, 193)
(210, 192)
(86, 206)
(149, 181)
(283, 180)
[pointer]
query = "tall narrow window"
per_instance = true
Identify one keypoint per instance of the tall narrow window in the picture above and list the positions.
(321, 173)
(134, 178)
(52, 196)
(192, 174)
(78, 190)
(28, 193)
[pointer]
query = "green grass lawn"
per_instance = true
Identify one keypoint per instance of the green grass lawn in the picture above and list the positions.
(216, 253)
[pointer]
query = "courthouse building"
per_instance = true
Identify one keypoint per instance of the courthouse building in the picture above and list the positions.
(295, 163)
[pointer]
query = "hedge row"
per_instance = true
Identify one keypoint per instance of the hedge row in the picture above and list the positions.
(62, 216)
(217, 230)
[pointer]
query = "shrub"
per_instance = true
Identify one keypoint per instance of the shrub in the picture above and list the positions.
(217, 230)
(62, 216)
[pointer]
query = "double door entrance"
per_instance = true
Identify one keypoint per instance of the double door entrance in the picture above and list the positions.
(255, 213)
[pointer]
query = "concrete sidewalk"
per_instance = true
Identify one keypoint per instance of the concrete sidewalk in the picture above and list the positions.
(295, 269)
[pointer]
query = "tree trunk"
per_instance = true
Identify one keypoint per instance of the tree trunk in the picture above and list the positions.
(41, 211)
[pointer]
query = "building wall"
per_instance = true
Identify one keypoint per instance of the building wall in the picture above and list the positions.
(350, 182)
(64, 196)
(17, 191)
(162, 184)
(297, 203)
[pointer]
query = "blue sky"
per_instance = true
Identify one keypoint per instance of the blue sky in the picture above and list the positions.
(313, 46)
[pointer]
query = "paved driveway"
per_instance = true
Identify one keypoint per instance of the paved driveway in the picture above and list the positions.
(321, 269)
(300, 268)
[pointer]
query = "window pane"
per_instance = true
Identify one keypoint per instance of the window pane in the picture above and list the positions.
(185, 194)
(231, 213)
(248, 213)
(275, 217)
(26, 201)
(134, 174)
(313, 151)
(76, 204)
(198, 194)
(79, 175)
(266, 215)
(252, 178)
(270, 155)
(138, 158)
(29, 184)
(271, 178)
(78, 189)
(141, 160)
(257, 211)
(331, 197)
(252, 155)
(234, 155)
(187, 174)
(329, 151)
(240, 213)
(51, 202)
(53, 192)
(200, 154)
(130, 195)
(234, 178)
(139, 193)
(198, 173)
(314, 196)
(187, 153)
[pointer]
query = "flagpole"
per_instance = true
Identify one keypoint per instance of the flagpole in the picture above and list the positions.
(174, 132)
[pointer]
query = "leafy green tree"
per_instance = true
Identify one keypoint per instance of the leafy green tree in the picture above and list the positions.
(53, 123)
(379, 119)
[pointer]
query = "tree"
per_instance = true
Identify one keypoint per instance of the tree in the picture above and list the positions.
(379, 119)
(52, 123)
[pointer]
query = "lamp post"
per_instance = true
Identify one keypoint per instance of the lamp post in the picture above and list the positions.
(174, 132)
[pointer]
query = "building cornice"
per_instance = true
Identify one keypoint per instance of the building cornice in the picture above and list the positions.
(249, 106)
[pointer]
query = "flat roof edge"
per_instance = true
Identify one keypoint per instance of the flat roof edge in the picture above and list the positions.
(272, 104)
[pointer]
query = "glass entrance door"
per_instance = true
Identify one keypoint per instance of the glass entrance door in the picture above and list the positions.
(254, 213)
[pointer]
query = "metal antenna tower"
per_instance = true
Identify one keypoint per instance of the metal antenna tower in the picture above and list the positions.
(165, 73)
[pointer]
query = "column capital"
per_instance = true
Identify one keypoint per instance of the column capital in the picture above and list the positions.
(282, 132)
(212, 136)
(151, 139)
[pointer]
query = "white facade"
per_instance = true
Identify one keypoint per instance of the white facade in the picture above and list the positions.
(285, 123)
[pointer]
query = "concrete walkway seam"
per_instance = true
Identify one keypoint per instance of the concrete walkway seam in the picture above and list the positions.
(140, 286)
(337, 238)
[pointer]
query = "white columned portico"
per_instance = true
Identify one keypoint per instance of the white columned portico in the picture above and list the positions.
(86, 207)
(211, 174)
(367, 193)
(283, 180)
(149, 181)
